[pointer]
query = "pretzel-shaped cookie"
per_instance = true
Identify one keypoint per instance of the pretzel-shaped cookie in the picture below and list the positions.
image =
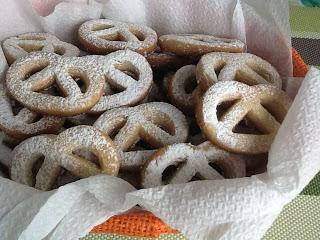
(24, 85)
(241, 67)
(264, 105)
(190, 161)
(127, 72)
(24, 123)
(198, 44)
(19, 46)
(58, 151)
(180, 88)
(162, 61)
(102, 36)
(156, 123)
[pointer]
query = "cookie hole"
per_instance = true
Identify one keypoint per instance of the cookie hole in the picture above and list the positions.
(128, 69)
(116, 129)
(113, 90)
(59, 50)
(171, 170)
(52, 91)
(36, 167)
(162, 121)
(224, 107)
(39, 66)
(276, 110)
(99, 27)
(219, 67)
(86, 154)
(5, 170)
(32, 37)
(142, 145)
(139, 35)
(246, 126)
(217, 168)
(16, 107)
(191, 85)
(81, 84)
(196, 177)
(30, 47)
(9, 144)
(37, 118)
(117, 37)
(78, 76)
(260, 71)
(194, 129)
(64, 178)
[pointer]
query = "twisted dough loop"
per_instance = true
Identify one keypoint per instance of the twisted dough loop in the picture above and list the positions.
(127, 72)
(27, 77)
(264, 105)
(198, 44)
(241, 67)
(178, 91)
(25, 85)
(25, 123)
(156, 123)
(103, 36)
(191, 162)
(57, 152)
(19, 46)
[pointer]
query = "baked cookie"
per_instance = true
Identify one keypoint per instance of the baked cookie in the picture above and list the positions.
(181, 163)
(23, 44)
(242, 67)
(128, 80)
(29, 75)
(198, 44)
(102, 36)
(228, 103)
(53, 152)
(157, 124)
(21, 123)
(180, 88)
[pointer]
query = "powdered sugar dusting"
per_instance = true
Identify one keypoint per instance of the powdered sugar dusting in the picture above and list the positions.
(103, 36)
(59, 71)
(157, 123)
(58, 152)
(24, 124)
(242, 67)
(133, 90)
(198, 44)
(177, 88)
(193, 162)
(220, 131)
(19, 46)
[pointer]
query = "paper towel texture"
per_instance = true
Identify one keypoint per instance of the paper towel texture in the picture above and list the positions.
(221, 209)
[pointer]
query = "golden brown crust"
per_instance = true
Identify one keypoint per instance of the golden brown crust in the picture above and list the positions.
(59, 151)
(264, 105)
(102, 36)
(23, 44)
(198, 44)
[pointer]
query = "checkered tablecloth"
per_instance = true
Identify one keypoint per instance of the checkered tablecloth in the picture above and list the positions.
(300, 220)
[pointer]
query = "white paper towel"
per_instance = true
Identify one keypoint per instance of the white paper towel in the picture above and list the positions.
(221, 209)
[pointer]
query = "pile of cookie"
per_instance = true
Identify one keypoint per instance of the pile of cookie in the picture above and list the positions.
(153, 111)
